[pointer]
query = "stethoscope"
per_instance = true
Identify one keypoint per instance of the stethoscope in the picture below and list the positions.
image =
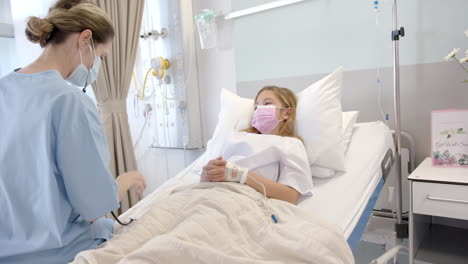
(118, 221)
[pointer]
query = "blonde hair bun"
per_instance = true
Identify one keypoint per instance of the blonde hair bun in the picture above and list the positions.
(38, 30)
(67, 4)
(66, 17)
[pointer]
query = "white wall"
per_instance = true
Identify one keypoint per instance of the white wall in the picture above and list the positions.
(22, 9)
(5, 12)
(8, 55)
(7, 45)
(316, 36)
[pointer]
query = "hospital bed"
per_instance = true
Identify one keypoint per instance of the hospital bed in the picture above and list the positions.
(345, 200)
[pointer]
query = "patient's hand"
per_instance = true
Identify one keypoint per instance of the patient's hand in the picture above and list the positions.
(214, 171)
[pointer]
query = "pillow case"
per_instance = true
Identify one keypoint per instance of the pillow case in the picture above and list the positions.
(321, 172)
(349, 119)
(235, 114)
(319, 121)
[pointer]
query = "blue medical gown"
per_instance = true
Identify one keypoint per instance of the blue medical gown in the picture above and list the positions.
(54, 176)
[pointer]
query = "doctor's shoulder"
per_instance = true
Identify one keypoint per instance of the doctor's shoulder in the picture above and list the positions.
(71, 99)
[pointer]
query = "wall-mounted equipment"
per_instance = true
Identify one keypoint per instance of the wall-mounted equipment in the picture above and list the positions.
(154, 34)
(165, 76)
(159, 66)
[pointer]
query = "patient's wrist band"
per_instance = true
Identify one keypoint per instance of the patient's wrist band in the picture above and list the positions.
(234, 173)
(245, 172)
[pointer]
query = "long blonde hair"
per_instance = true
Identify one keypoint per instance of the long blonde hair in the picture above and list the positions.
(288, 100)
(66, 17)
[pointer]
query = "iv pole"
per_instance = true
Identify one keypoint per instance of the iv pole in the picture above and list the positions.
(401, 228)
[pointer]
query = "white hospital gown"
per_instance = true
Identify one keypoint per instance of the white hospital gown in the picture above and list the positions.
(280, 159)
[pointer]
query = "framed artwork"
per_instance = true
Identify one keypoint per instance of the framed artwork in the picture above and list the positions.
(449, 132)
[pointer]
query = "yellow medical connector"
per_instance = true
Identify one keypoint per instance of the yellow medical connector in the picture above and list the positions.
(159, 65)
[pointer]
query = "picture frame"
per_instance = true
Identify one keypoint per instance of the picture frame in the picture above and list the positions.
(449, 138)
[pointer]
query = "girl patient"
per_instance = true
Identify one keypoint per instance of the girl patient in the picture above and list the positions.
(269, 154)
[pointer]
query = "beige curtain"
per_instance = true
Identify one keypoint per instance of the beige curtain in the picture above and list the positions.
(112, 85)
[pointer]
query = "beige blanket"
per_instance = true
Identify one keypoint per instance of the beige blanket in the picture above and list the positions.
(220, 223)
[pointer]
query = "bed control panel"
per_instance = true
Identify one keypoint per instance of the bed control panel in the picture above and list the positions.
(386, 204)
(387, 163)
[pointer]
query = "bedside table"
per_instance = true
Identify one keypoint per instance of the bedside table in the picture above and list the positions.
(437, 192)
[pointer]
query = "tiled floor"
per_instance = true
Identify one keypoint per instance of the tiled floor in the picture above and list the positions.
(378, 238)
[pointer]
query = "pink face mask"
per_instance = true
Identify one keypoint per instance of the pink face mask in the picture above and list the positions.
(264, 119)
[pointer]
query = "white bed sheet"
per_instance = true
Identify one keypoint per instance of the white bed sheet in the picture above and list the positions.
(342, 199)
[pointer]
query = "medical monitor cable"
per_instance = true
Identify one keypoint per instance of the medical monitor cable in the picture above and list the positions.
(142, 97)
(379, 97)
(136, 105)
(147, 114)
(118, 221)
(273, 216)
(234, 173)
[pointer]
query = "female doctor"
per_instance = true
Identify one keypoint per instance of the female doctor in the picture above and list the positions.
(55, 184)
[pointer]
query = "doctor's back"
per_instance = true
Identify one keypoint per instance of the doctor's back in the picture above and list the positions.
(54, 176)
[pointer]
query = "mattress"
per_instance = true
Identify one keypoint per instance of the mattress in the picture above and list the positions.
(342, 199)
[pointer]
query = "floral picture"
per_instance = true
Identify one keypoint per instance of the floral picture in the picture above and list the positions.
(450, 138)
(444, 158)
(452, 132)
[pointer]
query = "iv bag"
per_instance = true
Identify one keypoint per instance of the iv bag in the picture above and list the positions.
(206, 26)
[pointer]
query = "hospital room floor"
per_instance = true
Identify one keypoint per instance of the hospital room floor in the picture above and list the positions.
(379, 237)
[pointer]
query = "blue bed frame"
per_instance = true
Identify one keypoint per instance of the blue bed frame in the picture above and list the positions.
(356, 235)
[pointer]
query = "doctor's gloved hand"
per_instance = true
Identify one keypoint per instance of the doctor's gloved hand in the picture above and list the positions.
(214, 171)
(131, 180)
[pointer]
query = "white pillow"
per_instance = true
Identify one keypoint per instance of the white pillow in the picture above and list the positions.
(319, 121)
(236, 111)
(235, 114)
(321, 172)
(349, 119)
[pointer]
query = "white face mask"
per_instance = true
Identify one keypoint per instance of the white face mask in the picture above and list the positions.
(81, 76)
